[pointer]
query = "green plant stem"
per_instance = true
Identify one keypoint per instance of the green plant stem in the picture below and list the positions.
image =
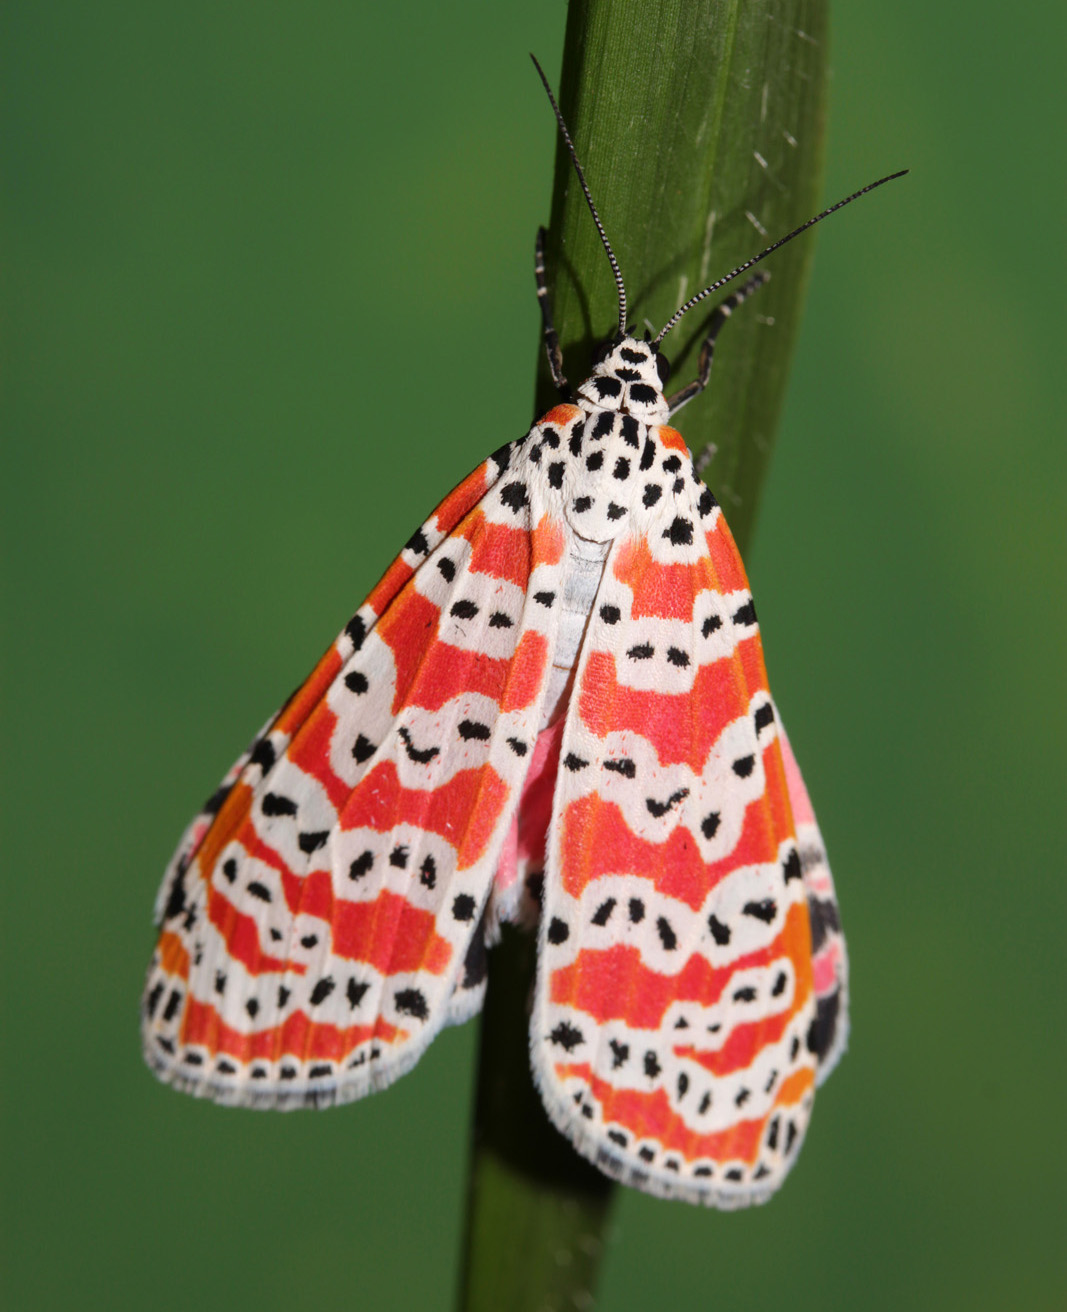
(699, 124)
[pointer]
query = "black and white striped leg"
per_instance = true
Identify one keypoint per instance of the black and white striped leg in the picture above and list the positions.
(555, 355)
(719, 316)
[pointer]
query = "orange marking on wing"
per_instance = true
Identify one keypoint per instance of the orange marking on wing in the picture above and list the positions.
(548, 542)
(527, 672)
(296, 1037)
(649, 1116)
(241, 936)
(389, 934)
(312, 690)
(231, 817)
(389, 585)
(615, 984)
(461, 500)
(310, 750)
(597, 841)
(777, 791)
(729, 569)
(464, 811)
(671, 438)
(680, 726)
(430, 672)
(667, 591)
(499, 550)
(172, 955)
(561, 414)
(795, 1087)
(747, 1040)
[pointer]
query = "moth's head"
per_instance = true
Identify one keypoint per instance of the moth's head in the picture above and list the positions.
(629, 375)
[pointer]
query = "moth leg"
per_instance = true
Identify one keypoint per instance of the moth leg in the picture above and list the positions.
(719, 316)
(555, 355)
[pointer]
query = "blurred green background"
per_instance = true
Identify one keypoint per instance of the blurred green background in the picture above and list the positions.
(267, 295)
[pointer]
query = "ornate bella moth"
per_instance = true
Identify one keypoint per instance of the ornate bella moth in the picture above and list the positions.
(553, 709)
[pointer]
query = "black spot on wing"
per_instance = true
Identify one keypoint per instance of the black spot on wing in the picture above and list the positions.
(621, 765)
(356, 629)
(474, 730)
(823, 1027)
(603, 912)
(262, 755)
(680, 532)
(276, 804)
(764, 716)
(356, 682)
(824, 920)
(719, 932)
(514, 496)
(421, 756)
(411, 1002)
(363, 749)
(361, 865)
(447, 568)
(566, 1036)
(463, 907)
(558, 932)
(657, 809)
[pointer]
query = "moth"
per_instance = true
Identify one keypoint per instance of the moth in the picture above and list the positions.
(552, 710)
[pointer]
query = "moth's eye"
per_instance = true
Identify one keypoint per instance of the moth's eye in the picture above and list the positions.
(603, 351)
(663, 368)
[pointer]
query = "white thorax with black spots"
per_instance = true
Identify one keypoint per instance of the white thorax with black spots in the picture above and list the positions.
(612, 474)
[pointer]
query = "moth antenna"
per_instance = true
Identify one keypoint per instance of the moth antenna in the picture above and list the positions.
(589, 199)
(694, 300)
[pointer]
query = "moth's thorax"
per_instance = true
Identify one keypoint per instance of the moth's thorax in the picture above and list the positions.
(628, 380)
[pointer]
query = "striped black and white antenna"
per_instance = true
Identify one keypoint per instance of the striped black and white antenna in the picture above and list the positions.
(741, 268)
(588, 197)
